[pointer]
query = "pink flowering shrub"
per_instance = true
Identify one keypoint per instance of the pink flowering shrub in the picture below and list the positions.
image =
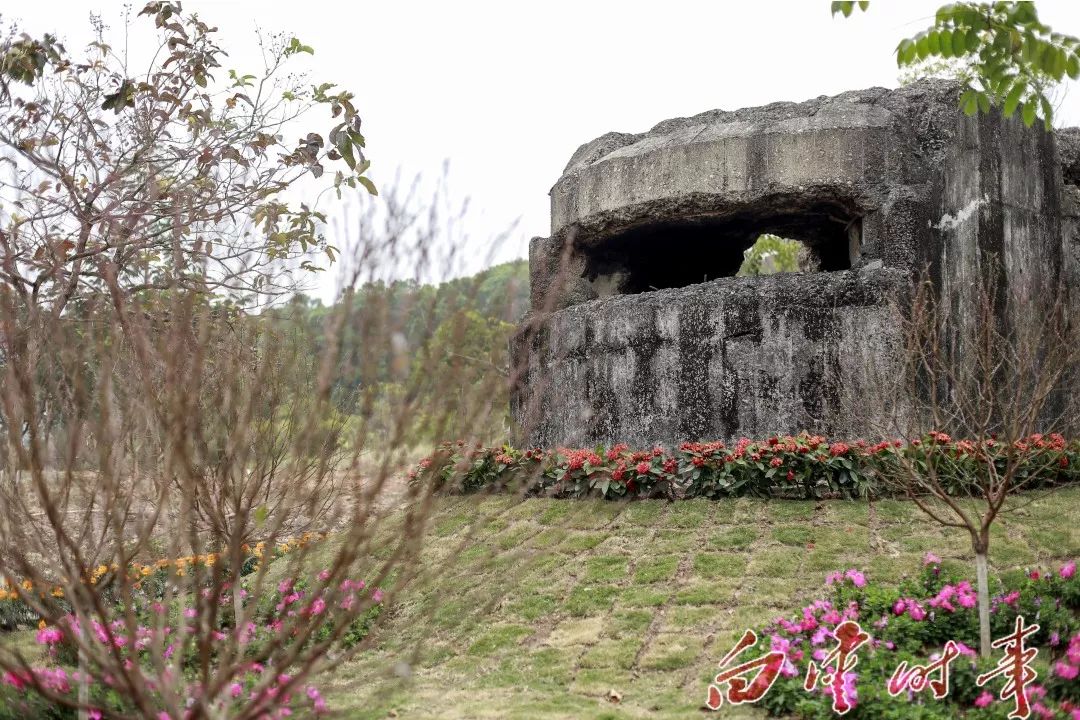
(912, 623)
(789, 466)
(164, 637)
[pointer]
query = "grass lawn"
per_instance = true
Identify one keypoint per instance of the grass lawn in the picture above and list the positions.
(553, 608)
(556, 608)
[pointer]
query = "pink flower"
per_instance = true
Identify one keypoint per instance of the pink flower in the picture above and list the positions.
(856, 577)
(820, 635)
(235, 689)
(965, 650)
(899, 607)
(317, 606)
(1066, 671)
(1068, 570)
(324, 576)
(931, 559)
(984, 700)
(49, 636)
(1011, 598)
(189, 612)
(377, 596)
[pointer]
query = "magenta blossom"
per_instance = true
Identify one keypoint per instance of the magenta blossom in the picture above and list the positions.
(1066, 671)
(856, 577)
(1068, 570)
(49, 635)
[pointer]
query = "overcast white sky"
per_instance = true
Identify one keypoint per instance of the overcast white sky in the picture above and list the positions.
(506, 91)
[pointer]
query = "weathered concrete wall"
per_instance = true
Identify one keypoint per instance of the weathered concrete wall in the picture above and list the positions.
(902, 180)
(737, 356)
(1068, 146)
(998, 220)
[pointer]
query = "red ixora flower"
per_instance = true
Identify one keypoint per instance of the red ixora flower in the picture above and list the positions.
(776, 462)
(643, 468)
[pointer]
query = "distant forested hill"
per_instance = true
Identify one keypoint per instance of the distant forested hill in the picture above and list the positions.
(427, 344)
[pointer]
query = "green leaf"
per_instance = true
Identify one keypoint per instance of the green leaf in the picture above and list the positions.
(959, 43)
(944, 13)
(922, 46)
(1012, 100)
(1029, 113)
(984, 102)
(1047, 111)
(969, 103)
(972, 40)
(260, 514)
(368, 185)
(1048, 60)
(864, 5)
(946, 43)
(1061, 63)
(933, 42)
(1072, 66)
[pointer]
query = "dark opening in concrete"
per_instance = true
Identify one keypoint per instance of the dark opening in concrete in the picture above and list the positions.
(676, 253)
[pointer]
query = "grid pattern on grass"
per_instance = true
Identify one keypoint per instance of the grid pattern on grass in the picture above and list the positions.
(558, 606)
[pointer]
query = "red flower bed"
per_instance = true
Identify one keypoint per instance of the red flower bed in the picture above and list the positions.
(783, 466)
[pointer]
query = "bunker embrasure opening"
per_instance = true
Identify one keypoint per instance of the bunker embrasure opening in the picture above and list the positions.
(677, 253)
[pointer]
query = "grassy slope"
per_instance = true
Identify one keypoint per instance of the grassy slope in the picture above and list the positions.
(543, 607)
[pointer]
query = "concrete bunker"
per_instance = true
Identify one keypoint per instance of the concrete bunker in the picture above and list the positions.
(678, 252)
(638, 332)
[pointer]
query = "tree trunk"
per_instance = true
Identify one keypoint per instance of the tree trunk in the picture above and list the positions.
(983, 587)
